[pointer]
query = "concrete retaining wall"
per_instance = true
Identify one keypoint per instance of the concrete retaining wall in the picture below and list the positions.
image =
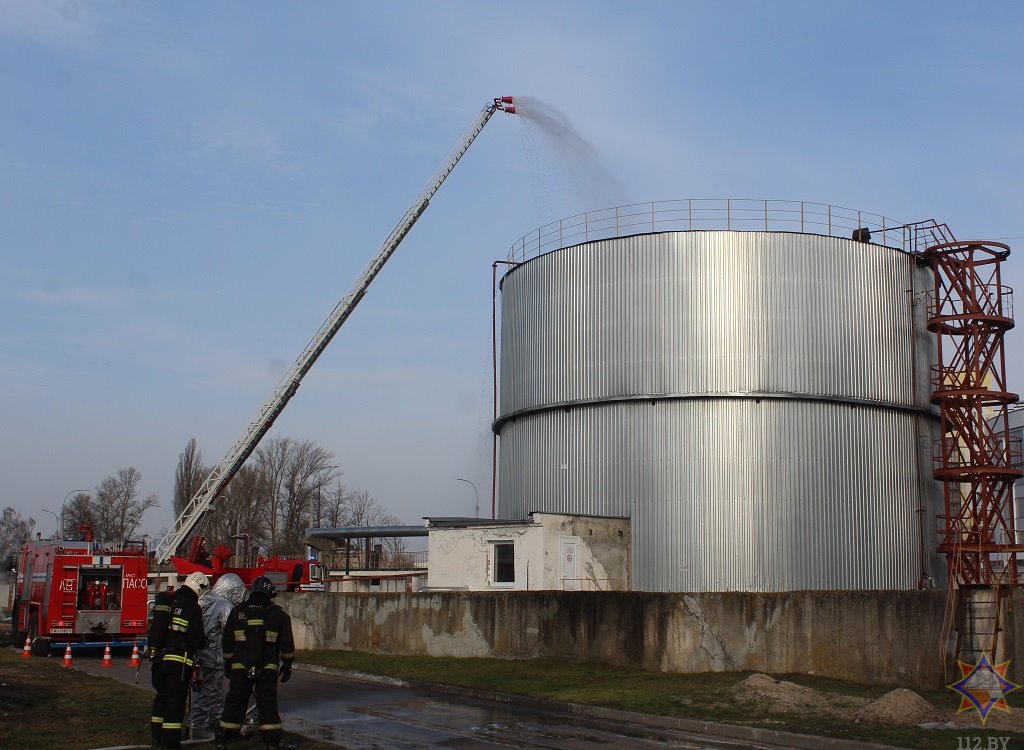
(880, 637)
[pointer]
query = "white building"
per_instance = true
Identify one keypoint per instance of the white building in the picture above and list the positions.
(547, 551)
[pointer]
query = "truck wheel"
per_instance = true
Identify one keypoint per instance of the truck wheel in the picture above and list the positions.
(40, 646)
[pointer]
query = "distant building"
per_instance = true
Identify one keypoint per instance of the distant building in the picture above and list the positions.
(547, 551)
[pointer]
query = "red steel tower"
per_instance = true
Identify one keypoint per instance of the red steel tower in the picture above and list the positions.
(970, 310)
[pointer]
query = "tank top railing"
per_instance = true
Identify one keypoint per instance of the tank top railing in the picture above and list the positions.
(736, 214)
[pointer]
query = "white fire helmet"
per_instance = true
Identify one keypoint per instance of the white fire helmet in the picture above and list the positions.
(198, 582)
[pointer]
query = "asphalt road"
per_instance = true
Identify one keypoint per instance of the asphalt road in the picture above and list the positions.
(370, 715)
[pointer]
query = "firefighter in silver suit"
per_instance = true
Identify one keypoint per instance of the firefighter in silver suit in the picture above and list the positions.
(208, 694)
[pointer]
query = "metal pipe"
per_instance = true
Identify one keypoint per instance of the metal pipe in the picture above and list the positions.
(494, 377)
(494, 374)
(359, 532)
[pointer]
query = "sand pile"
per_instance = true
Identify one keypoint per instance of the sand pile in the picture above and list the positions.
(899, 707)
(779, 695)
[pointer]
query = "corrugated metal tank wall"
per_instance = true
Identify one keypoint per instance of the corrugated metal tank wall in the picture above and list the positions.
(756, 402)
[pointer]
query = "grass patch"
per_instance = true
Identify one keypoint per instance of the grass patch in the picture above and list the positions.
(43, 705)
(707, 696)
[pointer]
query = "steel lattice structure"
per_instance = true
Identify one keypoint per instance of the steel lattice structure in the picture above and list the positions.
(970, 311)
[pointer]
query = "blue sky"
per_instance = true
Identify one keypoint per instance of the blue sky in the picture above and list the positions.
(188, 188)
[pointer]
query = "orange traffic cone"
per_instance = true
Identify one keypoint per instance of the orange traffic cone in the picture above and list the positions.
(67, 657)
(106, 658)
(27, 651)
(135, 661)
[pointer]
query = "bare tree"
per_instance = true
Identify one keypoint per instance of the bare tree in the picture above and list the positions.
(271, 499)
(334, 504)
(394, 546)
(79, 511)
(353, 508)
(361, 509)
(309, 472)
(14, 532)
(272, 460)
(189, 476)
(118, 509)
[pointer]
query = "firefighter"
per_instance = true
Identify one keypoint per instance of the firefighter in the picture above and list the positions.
(258, 648)
(208, 697)
(178, 658)
(159, 619)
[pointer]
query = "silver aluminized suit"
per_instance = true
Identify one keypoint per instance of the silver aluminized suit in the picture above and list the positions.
(208, 697)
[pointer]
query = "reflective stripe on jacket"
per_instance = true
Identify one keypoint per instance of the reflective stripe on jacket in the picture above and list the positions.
(258, 634)
(185, 631)
(159, 620)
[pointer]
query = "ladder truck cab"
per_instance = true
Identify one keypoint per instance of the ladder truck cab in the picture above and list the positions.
(288, 572)
(82, 591)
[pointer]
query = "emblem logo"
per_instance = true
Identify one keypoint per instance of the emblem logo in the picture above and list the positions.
(983, 687)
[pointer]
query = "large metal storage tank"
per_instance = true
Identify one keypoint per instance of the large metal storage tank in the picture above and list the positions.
(755, 401)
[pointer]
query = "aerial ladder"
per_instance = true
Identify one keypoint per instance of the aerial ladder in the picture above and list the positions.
(205, 499)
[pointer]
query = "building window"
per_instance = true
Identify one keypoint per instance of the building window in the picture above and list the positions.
(504, 563)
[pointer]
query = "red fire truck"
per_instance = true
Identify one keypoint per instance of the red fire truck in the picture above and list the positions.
(288, 572)
(80, 592)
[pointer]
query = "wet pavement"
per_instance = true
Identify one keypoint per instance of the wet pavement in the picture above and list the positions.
(381, 714)
(362, 715)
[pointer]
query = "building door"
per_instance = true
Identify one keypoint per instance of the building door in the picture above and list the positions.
(570, 575)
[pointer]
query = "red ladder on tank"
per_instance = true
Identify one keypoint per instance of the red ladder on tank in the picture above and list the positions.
(976, 459)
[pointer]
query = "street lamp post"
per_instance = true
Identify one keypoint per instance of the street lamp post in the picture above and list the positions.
(475, 493)
(56, 520)
(314, 519)
(62, 510)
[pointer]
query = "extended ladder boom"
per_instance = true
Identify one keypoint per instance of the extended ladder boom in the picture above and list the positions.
(217, 481)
